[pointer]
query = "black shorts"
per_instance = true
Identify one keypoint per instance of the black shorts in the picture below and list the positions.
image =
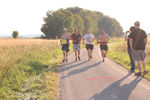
(104, 47)
(89, 46)
(65, 47)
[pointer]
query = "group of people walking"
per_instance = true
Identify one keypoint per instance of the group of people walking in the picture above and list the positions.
(87, 40)
(136, 43)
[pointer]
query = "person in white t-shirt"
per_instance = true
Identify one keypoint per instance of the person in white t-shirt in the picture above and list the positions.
(89, 37)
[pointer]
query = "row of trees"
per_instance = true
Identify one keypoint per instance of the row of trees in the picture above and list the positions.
(69, 18)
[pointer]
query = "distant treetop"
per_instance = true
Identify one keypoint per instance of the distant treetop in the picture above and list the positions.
(73, 17)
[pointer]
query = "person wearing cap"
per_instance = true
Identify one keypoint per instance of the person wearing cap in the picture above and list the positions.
(132, 61)
(103, 40)
(138, 41)
(65, 37)
(76, 38)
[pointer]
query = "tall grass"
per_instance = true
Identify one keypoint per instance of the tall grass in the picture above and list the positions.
(28, 69)
(118, 53)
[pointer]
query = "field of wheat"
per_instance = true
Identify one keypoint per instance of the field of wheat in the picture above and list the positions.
(118, 53)
(28, 68)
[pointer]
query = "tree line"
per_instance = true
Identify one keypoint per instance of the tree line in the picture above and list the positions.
(56, 21)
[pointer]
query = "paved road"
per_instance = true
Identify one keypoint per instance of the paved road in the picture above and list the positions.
(97, 80)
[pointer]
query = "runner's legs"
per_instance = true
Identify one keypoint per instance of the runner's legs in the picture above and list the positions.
(139, 65)
(78, 53)
(102, 54)
(143, 64)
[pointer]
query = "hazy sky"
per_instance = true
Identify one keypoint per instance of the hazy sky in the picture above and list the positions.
(26, 16)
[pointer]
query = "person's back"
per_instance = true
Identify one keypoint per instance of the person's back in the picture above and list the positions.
(139, 36)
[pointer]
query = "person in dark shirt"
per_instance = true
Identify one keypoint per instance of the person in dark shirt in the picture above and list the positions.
(76, 38)
(138, 41)
(132, 29)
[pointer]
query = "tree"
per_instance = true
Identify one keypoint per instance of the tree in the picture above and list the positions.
(56, 21)
(15, 34)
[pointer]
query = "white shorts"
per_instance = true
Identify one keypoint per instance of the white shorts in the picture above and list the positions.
(76, 47)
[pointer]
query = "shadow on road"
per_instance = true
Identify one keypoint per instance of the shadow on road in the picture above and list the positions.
(63, 68)
(117, 92)
(81, 70)
(66, 64)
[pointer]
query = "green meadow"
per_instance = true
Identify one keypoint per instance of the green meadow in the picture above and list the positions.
(28, 69)
(118, 53)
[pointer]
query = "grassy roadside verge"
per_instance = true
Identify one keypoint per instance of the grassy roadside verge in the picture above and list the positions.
(29, 71)
(118, 53)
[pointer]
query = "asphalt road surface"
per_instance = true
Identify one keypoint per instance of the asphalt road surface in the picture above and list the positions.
(97, 80)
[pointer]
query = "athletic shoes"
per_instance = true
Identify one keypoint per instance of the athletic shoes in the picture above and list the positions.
(103, 60)
(76, 59)
(90, 57)
(145, 72)
(79, 58)
(138, 74)
(63, 60)
(66, 60)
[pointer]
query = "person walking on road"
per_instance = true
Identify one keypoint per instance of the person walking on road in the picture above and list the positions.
(65, 37)
(89, 37)
(127, 33)
(138, 41)
(103, 40)
(76, 38)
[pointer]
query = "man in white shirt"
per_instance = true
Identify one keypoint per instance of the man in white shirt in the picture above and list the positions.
(89, 37)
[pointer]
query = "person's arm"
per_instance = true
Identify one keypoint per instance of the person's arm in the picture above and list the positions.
(125, 36)
(93, 38)
(84, 40)
(107, 37)
(98, 39)
(80, 38)
(130, 43)
(69, 36)
(145, 40)
(131, 40)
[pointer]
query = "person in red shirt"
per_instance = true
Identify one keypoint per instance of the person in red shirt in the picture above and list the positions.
(76, 38)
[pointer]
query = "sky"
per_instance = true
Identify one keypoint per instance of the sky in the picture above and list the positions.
(26, 16)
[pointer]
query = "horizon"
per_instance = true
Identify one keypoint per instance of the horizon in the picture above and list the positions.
(26, 16)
